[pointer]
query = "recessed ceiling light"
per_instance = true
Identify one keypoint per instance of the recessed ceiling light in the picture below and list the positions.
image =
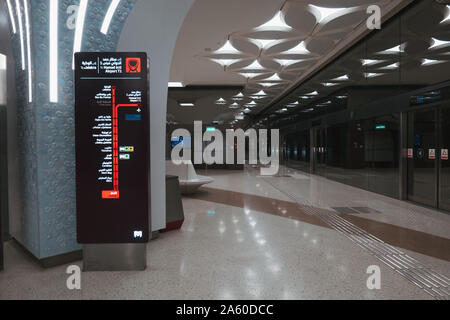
(235, 106)
(267, 84)
(372, 75)
(299, 49)
(261, 93)
(277, 22)
(439, 43)
(227, 48)
(314, 93)
(186, 104)
(391, 66)
(254, 66)
(341, 78)
(251, 104)
(287, 62)
(265, 43)
(324, 104)
(221, 101)
(275, 77)
(293, 105)
(369, 62)
(238, 97)
(394, 50)
(308, 110)
(428, 62)
(249, 75)
(247, 110)
(325, 13)
(258, 97)
(329, 84)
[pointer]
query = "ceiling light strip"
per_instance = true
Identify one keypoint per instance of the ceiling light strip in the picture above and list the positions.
(109, 15)
(79, 29)
(11, 16)
(53, 52)
(30, 71)
(22, 41)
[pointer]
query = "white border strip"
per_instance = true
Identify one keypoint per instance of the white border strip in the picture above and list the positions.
(53, 52)
(22, 44)
(11, 16)
(30, 71)
(109, 15)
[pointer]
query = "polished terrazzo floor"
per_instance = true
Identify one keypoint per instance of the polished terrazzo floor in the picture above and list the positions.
(227, 249)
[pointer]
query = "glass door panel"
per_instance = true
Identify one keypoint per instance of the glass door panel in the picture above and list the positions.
(444, 176)
(422, 168)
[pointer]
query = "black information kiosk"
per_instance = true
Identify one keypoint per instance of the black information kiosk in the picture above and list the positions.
(112, 158)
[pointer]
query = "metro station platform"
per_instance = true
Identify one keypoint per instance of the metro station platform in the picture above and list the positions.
(252, 237)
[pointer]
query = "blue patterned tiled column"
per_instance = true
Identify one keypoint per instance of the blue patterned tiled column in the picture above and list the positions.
(46, 224)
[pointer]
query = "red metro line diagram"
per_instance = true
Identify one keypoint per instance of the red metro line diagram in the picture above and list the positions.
(112, 144)
(115, 194)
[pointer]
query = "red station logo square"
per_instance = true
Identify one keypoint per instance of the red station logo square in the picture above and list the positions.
(133, 65)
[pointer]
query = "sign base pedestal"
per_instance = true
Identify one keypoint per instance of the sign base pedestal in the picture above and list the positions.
(115, 257)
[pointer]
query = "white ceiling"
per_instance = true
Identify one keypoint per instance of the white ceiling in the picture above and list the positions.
(210, 23)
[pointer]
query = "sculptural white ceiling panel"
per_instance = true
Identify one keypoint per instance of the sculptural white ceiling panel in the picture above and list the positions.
(271, 56)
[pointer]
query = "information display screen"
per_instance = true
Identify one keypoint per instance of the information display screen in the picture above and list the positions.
(112, 147)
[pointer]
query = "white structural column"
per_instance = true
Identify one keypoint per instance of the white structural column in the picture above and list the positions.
(153, 27)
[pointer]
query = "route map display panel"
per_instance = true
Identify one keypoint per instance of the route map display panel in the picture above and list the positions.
(112, 147)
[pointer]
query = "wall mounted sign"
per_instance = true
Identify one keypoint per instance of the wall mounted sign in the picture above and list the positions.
(432, 154)
(420, 153)
(112, 147)
(410, 153)
(444, 154)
